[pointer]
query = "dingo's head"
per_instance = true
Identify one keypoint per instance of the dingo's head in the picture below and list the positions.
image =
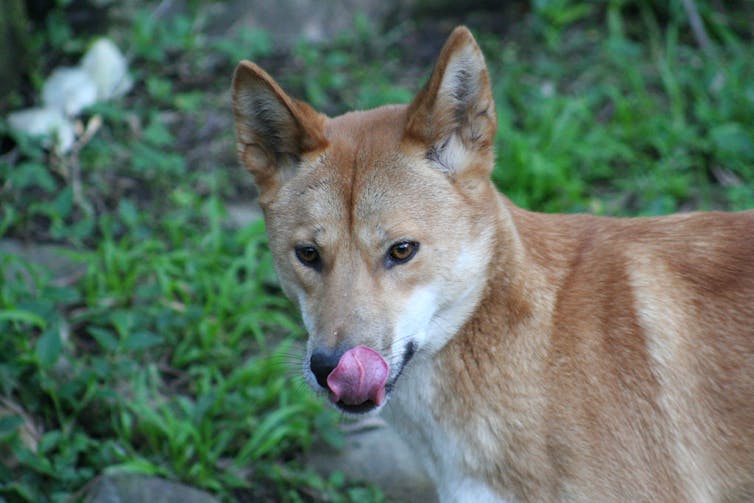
(380, 221)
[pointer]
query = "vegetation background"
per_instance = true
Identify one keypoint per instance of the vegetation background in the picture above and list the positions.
(164, 346)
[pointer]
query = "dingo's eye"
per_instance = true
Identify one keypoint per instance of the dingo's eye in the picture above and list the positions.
(309, 256)
(402, 252)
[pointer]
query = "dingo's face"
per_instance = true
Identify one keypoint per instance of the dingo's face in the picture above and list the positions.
(379, 221)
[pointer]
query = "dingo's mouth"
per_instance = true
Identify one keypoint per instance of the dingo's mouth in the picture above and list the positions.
(358, 384)
(358, 378)
(362, 408)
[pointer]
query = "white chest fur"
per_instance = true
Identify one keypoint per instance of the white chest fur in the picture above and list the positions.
(412, 411)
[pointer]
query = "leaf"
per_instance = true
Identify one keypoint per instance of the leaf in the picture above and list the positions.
(23, 316)
(128, 213)
(49, 441)
(138, 341)
(270, 432)
(157, 133)
(104, 338)
(31, 460)
(49, 347)
(21, 489)
(733, 141)
(136, 466)
(9, 218)
(33, 175)
(63, 203)
(9, 425)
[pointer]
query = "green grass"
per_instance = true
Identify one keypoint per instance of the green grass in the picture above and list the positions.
(628, 127)
(167, 357)
(174, 353)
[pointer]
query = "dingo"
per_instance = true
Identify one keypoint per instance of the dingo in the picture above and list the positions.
(524, 356)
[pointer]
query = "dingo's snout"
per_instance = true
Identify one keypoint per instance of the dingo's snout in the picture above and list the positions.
(322, 363)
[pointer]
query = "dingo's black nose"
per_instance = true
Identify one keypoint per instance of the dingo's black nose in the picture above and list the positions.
(322, 363)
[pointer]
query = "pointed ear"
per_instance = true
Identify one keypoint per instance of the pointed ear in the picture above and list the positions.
(454, 114)
(273, 130)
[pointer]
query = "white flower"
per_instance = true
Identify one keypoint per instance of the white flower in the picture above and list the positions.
(49, 123)
(108, 68)
(70, 90)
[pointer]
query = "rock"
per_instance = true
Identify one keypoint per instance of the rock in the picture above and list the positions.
(56, 259)
(291, 21)
(108, 69)
(70, 90)
(132, 488)
(376, 454)
(48, 123)
(241, 215)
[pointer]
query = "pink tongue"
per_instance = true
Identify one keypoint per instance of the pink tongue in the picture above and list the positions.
(360, 376)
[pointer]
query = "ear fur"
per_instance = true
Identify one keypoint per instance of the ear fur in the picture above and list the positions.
(454, 114)
(272, 129)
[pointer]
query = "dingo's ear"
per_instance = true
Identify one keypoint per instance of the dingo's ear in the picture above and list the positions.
(454, 114)
(272, 129)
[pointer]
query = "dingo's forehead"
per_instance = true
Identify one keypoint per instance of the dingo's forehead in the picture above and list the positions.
(367, 180)
(377, 130)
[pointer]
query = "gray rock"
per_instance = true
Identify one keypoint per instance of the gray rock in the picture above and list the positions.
(241, 215)
(55, 258)
(377, 455)
(142, 489)
(291, 21)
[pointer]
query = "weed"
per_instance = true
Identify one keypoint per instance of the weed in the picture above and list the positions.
(160, 361)
(635, 128)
